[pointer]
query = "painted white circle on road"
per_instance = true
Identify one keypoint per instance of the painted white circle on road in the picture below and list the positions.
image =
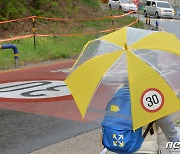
(152, 100)
(34, 89)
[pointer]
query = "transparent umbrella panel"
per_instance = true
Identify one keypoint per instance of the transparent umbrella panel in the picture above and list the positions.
(167, 65)
(113, 80)
(93, 49)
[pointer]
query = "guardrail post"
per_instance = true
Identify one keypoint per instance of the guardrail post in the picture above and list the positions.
(133, 14)
(148, 20)
(16, 53)
(120, 10)
(157, 25)
(34, 32)
(112, 21)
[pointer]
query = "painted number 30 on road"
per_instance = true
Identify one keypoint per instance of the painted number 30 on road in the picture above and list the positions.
(33, 89)
(152, 100)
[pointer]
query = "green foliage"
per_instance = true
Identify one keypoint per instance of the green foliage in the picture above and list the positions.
(9, 9)
(91, 3)
(12, 9)
(48, 48)
(69, 6)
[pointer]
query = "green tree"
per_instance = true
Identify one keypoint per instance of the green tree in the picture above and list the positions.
(12, 9)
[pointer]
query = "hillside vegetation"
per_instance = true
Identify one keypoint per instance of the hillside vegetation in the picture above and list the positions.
(12, 9)
(56, 45)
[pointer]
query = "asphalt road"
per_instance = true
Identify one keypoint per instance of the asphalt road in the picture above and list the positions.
(29, 120)
(23, 133)
(169, 25)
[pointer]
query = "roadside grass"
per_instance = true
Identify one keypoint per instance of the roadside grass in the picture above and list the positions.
(91, 3)
(47, 48)
(57, 47)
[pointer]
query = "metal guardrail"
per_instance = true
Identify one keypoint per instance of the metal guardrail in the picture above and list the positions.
(16, 52)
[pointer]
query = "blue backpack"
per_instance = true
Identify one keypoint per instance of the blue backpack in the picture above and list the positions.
(117, 133)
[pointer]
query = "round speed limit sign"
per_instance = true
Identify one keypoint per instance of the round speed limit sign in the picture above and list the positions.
(152, 100)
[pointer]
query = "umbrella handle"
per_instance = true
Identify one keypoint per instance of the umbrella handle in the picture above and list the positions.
(149, 128)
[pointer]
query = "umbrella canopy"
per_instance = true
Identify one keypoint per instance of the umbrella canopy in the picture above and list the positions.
(151, 64)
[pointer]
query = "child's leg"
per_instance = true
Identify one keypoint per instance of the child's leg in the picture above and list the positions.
(168, 128)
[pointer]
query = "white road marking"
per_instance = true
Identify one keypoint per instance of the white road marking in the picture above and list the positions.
(34, 89)
(66, 70)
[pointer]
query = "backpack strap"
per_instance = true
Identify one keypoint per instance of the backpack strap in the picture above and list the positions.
(149, 128)
(104, 151)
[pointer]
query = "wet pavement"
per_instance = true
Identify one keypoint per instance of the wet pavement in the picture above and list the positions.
(22, 133)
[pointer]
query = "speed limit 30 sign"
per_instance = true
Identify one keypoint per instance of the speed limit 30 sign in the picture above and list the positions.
(152, 100)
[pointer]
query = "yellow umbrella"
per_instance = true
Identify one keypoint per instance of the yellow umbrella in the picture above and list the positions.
(151, 61)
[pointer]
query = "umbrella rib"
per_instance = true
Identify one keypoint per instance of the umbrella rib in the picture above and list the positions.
(112, 44)
(108, 44)
(103, 78)
(156, 49)
(165, 78)
(85, 46)
(158, 73)
(155, 69)
(114, 64)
